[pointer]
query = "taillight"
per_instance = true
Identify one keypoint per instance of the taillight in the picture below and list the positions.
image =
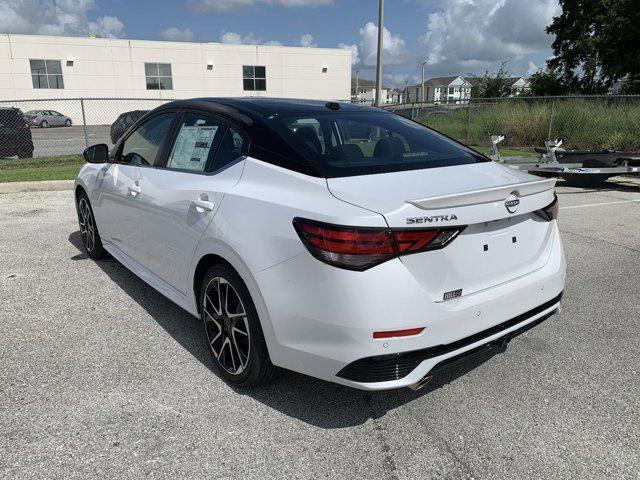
(550, 212)
(360, 248)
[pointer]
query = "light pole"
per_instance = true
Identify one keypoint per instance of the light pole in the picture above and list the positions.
(422, 90)
(357, 87)
(379, 64)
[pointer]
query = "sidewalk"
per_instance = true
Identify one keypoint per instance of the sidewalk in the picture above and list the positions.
(47, 185)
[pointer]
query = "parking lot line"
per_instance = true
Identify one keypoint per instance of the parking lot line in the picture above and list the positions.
(599, 204)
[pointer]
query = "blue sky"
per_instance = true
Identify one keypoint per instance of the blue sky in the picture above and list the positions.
(453, 36)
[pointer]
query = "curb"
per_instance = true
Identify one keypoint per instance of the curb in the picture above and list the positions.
(44, 186)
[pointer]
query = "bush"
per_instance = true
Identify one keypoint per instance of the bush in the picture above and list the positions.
(588, 123)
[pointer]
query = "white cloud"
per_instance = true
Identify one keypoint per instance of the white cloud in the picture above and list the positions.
(395, 79)
(470, 35)
(174, 34)
(393, 47)
(234, 5)
(355, 57)
(62, 17)
(306, 40)
(533, 68)
(248, 39)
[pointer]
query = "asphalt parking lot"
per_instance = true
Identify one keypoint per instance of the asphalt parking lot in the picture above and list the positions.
(101, 377)
(67, 140)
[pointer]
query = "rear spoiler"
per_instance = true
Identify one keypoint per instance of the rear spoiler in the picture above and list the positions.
(485, 195)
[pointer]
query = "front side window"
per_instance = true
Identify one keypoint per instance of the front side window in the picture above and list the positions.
(46, 74)
(254, 78)
(142, 146)
(195, 143)
(158, 76)
(352, 143)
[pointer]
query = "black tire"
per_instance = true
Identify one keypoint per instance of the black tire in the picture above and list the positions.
(44, 124)
(28, 154)
(67, 123)
(258, 368)
(89, 234)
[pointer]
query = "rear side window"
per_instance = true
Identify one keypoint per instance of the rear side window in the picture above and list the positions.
(142, 146)
(195, 143)
(361, 143)
(231, 148)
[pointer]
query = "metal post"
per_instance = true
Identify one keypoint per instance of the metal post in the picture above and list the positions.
(468, 121)
(379, 63)
(84, 123)
(550, 120)
(422, 84)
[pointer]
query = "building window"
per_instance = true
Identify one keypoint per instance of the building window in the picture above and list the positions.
(158, 76)
(451, 90)
(46, 74)
(254, 78)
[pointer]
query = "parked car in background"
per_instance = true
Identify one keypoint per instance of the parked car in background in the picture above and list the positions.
(47, 118)
(123, 122)
(15, 135)
(297, 248)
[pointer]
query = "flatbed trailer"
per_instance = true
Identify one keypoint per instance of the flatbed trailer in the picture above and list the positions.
(580, 168)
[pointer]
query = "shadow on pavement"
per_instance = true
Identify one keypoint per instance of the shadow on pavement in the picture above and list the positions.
(316, 402)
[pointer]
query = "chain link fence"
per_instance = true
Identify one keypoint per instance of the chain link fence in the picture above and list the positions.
(587, 122)
(60, 127)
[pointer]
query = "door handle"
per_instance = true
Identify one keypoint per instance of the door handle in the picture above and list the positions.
(135, 190)
(203, 206)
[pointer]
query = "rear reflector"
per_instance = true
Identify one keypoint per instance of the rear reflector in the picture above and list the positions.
(398, 333)
(360, 248)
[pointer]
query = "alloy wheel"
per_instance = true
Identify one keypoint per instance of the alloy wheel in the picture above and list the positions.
(87, 225)
(226, 325)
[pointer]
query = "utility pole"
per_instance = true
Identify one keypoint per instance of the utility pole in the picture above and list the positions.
(379, 64)
(357, 87)
(404, 95)
(422, 90)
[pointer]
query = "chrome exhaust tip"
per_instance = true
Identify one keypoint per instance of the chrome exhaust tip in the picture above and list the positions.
(421, 383)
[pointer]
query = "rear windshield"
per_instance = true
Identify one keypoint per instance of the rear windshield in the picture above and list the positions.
(11, 118)
(360, 143)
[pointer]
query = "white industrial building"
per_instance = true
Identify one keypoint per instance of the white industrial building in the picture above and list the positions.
(34, 66)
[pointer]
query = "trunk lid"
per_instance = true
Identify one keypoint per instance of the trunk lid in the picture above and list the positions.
(500, 241)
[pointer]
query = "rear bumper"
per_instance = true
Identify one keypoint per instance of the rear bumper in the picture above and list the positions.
(393, 367)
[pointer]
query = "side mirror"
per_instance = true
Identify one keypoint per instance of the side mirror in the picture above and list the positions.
(96, 153)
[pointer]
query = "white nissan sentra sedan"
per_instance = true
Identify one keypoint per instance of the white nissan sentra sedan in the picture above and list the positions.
(338, 241)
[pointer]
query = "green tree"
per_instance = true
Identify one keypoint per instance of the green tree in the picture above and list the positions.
(491, 85)
(550, 82)
(596, 42)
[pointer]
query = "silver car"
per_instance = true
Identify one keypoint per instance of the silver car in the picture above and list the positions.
(47, 118)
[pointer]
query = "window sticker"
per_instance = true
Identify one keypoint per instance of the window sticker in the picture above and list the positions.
(192, 147)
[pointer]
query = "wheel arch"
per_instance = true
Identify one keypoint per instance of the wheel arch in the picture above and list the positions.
(214, 252)
(204, 264)
(80, 190)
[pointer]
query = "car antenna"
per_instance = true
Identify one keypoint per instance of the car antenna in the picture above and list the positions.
(333, 105)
